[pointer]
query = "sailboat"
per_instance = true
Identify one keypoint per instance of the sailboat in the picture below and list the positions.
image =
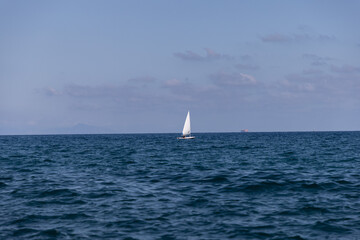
(186, 133)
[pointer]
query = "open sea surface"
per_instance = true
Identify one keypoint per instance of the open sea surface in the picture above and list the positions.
(303, 185)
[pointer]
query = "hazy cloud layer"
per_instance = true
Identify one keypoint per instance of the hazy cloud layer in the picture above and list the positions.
(309, 82)
(294, 38)
(210, 55)
(323, 86)
(232, 79)
(222, 91)
(345, 69)
(76, 90)
(316, 60)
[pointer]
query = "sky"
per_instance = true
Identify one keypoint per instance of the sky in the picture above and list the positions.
(139, 66)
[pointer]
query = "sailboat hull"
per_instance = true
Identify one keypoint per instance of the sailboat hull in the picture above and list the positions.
(192, 137)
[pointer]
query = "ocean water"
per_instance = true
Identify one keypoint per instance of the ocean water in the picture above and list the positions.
(146, 186)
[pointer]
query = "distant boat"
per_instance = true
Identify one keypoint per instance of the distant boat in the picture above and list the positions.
(186, 133)
(244, 130)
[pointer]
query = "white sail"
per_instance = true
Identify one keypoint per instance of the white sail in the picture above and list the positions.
(187, 130)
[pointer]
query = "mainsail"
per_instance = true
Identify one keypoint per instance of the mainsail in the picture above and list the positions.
(187, 130)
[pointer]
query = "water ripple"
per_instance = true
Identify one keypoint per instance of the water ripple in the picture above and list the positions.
(145, 186)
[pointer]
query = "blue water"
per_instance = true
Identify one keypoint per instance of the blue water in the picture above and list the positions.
(146, 186)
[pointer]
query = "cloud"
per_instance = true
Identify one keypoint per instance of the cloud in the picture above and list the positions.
(222, 90)
(181, 91)
(345, 69)
(111, 90)
(112, 98)
(75, 90)
(51, 91)
(294, 38)
(292, 83)
(232, 79)
(316, 60)
(300, 91)
(321, 87)
(189, 56)
(87, 98)
(210, 56)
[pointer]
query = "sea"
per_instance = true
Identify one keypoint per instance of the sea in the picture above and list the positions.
(278, 185)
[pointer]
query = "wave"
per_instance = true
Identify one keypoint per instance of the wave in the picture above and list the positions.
(219, 186)
(330, 228)
(61, 192)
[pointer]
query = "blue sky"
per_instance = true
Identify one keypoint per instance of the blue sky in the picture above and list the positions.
(138, 66)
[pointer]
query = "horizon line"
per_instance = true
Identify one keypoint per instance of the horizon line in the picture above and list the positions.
(134, 133)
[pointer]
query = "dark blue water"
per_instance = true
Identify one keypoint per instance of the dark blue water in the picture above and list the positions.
(218, 186)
